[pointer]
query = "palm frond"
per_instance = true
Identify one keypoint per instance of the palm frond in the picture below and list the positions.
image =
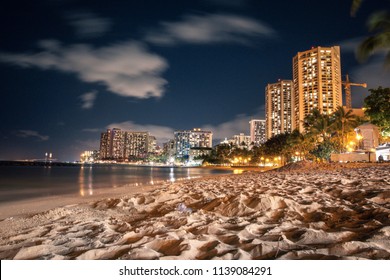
(379, 21)
(366, 48)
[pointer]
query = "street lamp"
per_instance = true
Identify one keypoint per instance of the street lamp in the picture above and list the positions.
(352, 145)
(359, 137)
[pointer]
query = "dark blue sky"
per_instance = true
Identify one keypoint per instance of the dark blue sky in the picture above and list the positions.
(70, 69)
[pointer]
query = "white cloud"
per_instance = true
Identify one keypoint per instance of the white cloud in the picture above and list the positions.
(89, 25)
(127, 69)
(93, 130)
(350, 45)
(207, 29)
(88, 99)
(162, 133)
(86, 145)
(240, 124)
(31, 133)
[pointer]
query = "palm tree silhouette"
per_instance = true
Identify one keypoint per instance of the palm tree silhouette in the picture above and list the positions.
(378, 22)
(343, 122)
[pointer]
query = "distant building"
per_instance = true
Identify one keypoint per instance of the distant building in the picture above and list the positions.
(359, 112)
(257, 132)
(89, 156)
(152, 144)
(241, 140)
(136, 144)
(169, 149)
(278, 108)
(384, 151)
(199, 152)
(116, 144)
(225, 142)
(316, 83)
(112, 144)
(369, 135)
(187, 139)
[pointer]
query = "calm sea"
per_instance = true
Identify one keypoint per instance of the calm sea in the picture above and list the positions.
(24, 182)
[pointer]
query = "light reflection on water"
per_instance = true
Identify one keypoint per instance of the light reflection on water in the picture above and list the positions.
(86, 182)
(21, 182)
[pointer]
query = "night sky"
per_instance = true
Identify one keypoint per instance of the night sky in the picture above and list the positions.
(70, 69)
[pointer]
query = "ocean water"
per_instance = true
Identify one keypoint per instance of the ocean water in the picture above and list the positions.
(24, 182)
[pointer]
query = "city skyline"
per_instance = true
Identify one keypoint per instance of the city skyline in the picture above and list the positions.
(72, 69)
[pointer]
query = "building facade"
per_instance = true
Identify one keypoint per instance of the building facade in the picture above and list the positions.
(187, 139)
(136, 144)
(241, 140)
(89, 156)
(279, 108)
(152, 145)
(316, 82)
(257, 132)
(368, 136)
(112, 144)
(116, 144)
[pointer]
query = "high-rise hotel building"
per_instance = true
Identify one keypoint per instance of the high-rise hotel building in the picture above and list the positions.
(316, 82)
(278, 108)
(257, 132)
(185, 140)
(117, 144)
(112, 144)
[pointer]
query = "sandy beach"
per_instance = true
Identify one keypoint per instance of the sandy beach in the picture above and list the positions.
(300, 211)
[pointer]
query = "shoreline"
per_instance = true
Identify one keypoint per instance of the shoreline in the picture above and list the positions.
(32, 206)
(300, 211)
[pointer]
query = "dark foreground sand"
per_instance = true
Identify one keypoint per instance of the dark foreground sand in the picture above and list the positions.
(301, 211)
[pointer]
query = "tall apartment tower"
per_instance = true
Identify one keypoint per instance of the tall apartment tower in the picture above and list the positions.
(136, 144)
(317, 82)
(241, 140)
(278, 108)
(188, 139)
(257, 132)
(112, 144)
(123, 145)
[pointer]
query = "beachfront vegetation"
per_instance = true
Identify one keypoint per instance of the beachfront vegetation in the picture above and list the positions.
(324, 134)
(377, 109)
(378, 25)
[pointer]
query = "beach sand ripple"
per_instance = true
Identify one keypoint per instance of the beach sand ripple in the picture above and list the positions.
(301, 211)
